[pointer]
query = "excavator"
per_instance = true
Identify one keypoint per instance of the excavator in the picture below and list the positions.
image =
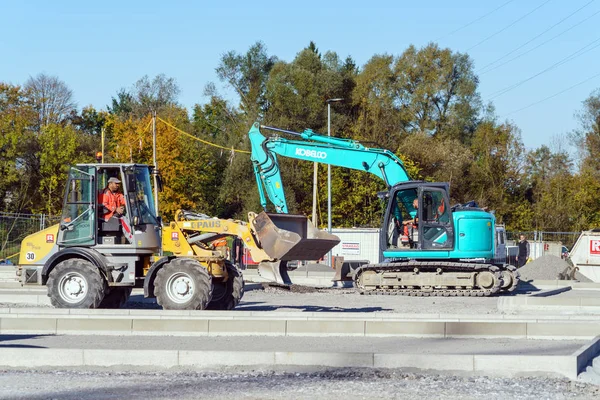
(445, 251)
(88, 262)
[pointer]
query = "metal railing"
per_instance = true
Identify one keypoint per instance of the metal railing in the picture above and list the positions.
(15, 227)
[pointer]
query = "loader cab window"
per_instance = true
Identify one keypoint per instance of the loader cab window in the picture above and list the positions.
(141, 197)
(77, 224)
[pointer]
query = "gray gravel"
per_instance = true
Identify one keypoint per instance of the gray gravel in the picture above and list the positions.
(347, 300)
(547, 268)
(259, 384)
(335, 300)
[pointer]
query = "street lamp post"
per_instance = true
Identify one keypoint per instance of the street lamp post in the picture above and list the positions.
(329, 101)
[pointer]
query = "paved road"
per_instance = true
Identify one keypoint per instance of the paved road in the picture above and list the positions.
(405, 345)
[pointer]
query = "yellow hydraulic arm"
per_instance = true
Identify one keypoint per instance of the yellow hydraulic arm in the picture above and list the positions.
(190, 234)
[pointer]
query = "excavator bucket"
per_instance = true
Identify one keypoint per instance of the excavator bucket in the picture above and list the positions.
(286, 237)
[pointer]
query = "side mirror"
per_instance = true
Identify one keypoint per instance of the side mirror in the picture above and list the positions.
(159, 183)
(383, 195)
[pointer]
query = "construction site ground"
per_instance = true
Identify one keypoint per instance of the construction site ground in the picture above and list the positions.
(540, 342)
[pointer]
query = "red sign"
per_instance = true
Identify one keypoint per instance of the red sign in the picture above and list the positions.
(50, 238)
(595, 247)
(174, 235)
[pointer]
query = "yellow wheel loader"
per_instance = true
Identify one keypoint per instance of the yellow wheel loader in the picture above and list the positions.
(87, 261)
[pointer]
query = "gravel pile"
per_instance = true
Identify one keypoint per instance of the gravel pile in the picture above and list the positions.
(547, 268)
(325, 384)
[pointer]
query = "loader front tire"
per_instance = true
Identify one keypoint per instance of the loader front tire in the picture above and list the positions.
(183, 284)
(227, 295)
(116, 298)
(76, 283)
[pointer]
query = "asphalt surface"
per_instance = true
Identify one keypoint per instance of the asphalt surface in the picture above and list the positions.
(385, 345)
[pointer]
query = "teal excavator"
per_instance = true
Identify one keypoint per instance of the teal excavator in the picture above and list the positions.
(442, 251)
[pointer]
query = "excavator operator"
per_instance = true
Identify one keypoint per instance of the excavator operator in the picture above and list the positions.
(414, 220)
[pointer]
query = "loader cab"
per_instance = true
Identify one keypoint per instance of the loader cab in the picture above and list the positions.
(428, 226)
(84, 220)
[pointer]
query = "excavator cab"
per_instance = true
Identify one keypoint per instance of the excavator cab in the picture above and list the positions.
(428, 226)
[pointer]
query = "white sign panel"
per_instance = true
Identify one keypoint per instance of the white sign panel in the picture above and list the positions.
(350, 248)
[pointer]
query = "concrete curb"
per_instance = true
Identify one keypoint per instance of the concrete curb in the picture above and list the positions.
(499, 365)
(231, 323)
(571, 304)
(586, 354)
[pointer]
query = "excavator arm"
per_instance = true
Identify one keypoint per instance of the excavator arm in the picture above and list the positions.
(318, 148)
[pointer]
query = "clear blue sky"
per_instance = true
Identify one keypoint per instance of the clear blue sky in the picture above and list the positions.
(99, 47)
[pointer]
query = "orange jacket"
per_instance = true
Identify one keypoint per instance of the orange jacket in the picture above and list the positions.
(111, 201)
(219, 243)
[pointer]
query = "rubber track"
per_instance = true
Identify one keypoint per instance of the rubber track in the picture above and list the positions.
(429, 266)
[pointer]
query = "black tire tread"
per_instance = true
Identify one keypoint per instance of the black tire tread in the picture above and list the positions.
(96, 283)
(195, 270)
(234, 290)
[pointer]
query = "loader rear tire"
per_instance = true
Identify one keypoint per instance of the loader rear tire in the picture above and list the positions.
(116, 298)
(183, 284)
(227, 295)
(76, 283)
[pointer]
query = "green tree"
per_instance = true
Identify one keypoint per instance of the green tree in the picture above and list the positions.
(17, 119)
(51, 98)
(495, 177)
(436, 92)
(247, 74)
(57, 152)
(145, 96)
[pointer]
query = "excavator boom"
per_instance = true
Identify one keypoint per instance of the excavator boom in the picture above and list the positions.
(334, 151)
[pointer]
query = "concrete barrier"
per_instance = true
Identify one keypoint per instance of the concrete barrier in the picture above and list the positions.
(498, 365)
(273, 323)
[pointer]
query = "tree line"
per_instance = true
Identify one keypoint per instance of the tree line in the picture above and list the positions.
(422, 104)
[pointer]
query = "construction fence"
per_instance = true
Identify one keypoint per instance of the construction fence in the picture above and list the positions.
(15, 227)
(545, 243)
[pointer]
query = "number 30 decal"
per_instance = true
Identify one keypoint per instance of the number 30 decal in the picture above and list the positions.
(30, 256)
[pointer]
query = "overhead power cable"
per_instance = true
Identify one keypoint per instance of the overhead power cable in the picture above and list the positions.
(474, 21)
(537, 36)
(570, 57)
(200, 140)
(509, 25)
(551, 96)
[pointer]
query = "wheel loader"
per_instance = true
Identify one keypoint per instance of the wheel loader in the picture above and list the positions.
(87, 262)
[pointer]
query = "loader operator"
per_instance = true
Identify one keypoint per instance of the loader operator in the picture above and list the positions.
(112, 201)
